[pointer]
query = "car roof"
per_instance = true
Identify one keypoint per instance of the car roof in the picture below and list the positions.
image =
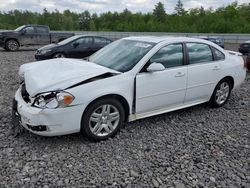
(170, 39)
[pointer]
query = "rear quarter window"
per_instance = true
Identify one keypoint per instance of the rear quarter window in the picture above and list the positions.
(218, 55)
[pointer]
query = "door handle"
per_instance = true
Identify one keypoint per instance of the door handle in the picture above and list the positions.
(180, 74)
(216, 68)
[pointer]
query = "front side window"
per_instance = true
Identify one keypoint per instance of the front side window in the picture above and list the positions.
(122, 55)
(199, 53)
(169, 56)
(83, 42)
(29, 30)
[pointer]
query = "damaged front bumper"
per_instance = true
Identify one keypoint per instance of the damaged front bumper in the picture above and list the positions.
(46, 122)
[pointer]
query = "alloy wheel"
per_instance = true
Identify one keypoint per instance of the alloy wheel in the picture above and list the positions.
(104, 120)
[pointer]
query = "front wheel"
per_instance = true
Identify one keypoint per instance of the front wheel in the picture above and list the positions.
(11, 45)
(221, 93)
(59, 55)
(103, 119)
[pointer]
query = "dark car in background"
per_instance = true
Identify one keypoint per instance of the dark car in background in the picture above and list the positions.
(215, 40)
(78, 46)
(27, 35)
(244, 47)
(248, 61)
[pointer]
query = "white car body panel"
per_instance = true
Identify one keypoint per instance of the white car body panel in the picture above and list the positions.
(58, 74)
(156, 90)
(146, 94)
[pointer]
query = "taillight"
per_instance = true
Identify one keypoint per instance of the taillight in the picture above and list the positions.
(245, 63)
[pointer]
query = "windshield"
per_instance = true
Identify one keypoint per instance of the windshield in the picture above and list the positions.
(20, 28)
(121, 55)
(70, 39)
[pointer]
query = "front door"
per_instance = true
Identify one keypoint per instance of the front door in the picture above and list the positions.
(162, 89)
(28, 36)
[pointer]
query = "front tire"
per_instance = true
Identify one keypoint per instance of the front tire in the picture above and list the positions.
(12, 45)
(59, 55)
(103, 119)
(221, 93)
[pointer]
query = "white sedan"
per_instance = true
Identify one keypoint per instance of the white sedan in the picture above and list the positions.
(129, 79)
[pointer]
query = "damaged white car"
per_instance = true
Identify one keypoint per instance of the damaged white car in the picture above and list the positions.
(129, 79)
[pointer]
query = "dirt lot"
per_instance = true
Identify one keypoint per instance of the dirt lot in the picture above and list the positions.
(195, 147)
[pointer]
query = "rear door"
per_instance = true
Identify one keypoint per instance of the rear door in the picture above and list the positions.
(80, 48)
(162, 89)
(204, 71)
(42, 35)
(100, 42)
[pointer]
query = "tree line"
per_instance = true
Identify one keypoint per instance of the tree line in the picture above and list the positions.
(233, 18)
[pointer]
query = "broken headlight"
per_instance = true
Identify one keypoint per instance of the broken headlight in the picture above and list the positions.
(52, 100)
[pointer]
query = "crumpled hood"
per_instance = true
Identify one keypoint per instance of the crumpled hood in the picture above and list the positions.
(58, 74)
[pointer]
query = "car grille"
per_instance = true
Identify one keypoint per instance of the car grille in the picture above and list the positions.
(25, 94)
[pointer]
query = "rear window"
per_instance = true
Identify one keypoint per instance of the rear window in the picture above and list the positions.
(42, 30)
(246, 45)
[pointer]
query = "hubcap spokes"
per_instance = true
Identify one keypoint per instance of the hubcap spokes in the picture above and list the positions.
(222, 93)
(12, 45)
(104, 120)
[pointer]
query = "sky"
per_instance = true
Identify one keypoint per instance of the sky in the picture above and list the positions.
(100, 6)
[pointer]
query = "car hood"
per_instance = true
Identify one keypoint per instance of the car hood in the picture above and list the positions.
(48, 47)
(8, 33)
(58, 74)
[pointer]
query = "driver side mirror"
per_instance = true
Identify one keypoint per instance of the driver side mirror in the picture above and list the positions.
(23, 31)
(154, 67)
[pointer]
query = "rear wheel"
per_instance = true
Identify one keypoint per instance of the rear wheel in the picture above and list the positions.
(221, 93)
(11, 45)
(58, 55)
(103, 119)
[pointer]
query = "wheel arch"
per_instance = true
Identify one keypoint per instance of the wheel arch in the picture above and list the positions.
(118, 97)
(230, 78)
(15, 39)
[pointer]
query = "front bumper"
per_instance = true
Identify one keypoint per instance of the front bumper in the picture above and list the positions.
(46, 122)
(2, 43)
(39, 57)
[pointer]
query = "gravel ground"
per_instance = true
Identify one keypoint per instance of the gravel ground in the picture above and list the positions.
(194, 147)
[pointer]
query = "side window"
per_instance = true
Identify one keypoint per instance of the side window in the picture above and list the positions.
(218, 55)
(199, 53)
(169, 56)
(29, 30)
(100, 41)
(83, 42)
(42, 30)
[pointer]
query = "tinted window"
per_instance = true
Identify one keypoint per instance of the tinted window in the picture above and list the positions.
(42, 30)
(218, 55)
(169, 56)
(82, 42)
(100, 41)
(246, 45)
(199, 53)
(29, 30)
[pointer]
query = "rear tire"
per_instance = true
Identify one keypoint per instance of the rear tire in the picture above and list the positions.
(11, 45)
(102, 119)
(221, 93)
